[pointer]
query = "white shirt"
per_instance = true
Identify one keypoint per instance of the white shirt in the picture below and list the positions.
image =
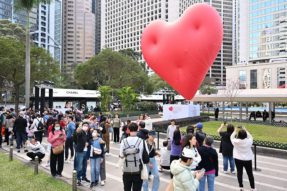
(165, 157)
(170, 131)
(242, 147)
(37, 147)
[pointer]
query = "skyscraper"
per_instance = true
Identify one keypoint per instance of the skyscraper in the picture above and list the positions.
(262, 29)
(47, 33)
(78, 33)
(97, 11)
(123, 22)
(45, 24)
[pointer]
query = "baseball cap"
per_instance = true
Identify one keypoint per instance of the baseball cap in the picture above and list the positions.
(199, 125)
(188, 153)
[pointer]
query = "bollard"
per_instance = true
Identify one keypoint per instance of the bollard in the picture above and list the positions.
(11, 153)
(74, 181)
(36, 167)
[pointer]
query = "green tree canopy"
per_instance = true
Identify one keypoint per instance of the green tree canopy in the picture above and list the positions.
(12, 64)
(128, 98)
(105, 97)
(9, 29)
(111, 68)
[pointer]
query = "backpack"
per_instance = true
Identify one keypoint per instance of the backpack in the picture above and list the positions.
(40, 126)
(132, 162)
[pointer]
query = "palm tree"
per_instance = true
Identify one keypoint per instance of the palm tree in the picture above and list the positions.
(27, 6)
(128, 97)
(105, 97)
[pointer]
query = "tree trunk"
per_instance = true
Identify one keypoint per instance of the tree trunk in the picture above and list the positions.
(27, 64)
(17, 97)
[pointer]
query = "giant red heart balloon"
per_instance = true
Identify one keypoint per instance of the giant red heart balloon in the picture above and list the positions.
(182, 52)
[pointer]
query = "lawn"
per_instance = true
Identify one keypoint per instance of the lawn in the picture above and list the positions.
(15, 176)
(259, 132)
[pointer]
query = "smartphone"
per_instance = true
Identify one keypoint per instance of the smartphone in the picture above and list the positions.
(202, 170)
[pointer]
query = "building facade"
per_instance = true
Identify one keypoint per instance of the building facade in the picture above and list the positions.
(97, 11)
(123, 23)
(47, 32)
(78, 33)
(262, 29)
(259, 76)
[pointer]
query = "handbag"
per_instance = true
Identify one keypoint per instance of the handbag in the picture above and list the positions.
(144, 173)
(97, 151)
(58, 149)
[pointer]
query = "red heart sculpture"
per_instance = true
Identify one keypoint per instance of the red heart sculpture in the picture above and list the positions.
(170, 108)
(182, 52)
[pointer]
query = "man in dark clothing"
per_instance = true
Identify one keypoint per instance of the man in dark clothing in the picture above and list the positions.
(199, 134)
(20, 130)
(265, 115)
(142, 132)
(216, 112)
(82, 144)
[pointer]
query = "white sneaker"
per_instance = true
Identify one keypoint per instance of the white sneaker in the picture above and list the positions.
(102, 183)
(48, 164)
(225, 172)
(233, 172)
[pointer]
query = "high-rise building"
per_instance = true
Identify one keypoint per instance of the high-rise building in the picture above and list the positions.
(47, 33)
(97, 11)
(45, 24)
(262, 30)
(123, 22)
(78, 33)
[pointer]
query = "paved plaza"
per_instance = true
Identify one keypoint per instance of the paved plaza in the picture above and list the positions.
(272, 177)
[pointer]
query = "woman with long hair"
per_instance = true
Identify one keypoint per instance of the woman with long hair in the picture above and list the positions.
(57, 138)
(176, 148)
(191, 143)
(243, 155)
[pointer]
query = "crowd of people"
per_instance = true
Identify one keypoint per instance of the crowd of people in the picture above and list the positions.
(74, 137)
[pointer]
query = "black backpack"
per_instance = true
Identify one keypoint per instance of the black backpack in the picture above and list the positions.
(40, 126)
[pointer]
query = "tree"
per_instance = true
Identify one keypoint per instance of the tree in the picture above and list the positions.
(207, 86)
(131, 53)
(111, 68)
(12, 64)
(27, 5)
(105, 97)
(158, 83)
(231, 91)
(12, 30)
(128, 98)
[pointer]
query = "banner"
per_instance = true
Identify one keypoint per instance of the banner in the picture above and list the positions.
(175, 111)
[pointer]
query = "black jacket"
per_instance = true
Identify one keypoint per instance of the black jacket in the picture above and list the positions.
(200, 136)
(209, 159)
(20, 125)
(226, 145)
(81, 140)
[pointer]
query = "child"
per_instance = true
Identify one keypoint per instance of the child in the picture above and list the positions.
(96, 154)
(165, 157)
(184, 179)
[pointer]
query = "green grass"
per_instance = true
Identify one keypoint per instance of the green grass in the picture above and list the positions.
(15, 175)
(259, 132)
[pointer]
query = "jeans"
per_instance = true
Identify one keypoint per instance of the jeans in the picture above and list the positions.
(85, 164)
(248, 167)
(225, 163)
(69, 145)
(20, 139)
(132, 182)
(210, 182)
(154, 172)
(95, 169)
(79, 163)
